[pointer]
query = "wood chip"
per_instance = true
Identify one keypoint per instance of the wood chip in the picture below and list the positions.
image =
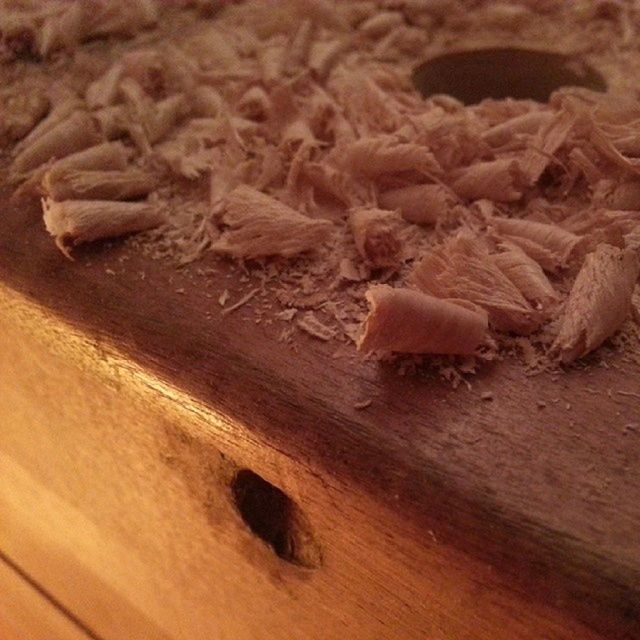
(73, 222)
(406, 321)
(462, 268)
(599, 302)
(240, 302)
(259, 225)
(311, 325)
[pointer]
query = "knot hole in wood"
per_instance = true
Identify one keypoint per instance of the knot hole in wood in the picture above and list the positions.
(506, 72)
(276, 519)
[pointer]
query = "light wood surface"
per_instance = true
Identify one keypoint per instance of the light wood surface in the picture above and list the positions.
(126, 413)
(28, 614)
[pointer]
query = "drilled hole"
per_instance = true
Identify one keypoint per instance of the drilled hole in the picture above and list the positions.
(472, 76)
(276, 519)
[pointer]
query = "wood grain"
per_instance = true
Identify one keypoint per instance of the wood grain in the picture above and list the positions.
(28, 614)
(535, 511)
(118, 498)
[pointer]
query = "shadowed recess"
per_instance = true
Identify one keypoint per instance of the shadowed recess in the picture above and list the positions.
(472, 76)
(276, 519)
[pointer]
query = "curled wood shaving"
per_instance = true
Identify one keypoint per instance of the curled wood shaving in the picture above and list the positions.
(206, 102)
(504, 132)
(60, 111)
(527, 275)
(73, 134)
(323, 56)
(103, 91)
(74, 184)
(254, 104)
(367, 106)
(380, 23)
(406, 321)
(164, 117)
(277, 129)
(374, 156)
(108, 155)
(73, 222)
(124, 17)
(462, 268)
(113, 121)
(590, 170)
(376, 236)
(498, 180)
(259, 225)
(64, 30)
(420, 203)
(36, 29)
(599, 302)
(604, 145)
(300, 45)
(549, 245)
(329, 180)
(271, 58)
(548, 139)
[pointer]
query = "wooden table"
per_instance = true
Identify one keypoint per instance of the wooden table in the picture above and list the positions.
(140, 442)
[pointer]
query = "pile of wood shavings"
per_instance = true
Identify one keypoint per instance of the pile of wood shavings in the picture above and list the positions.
(288, 138)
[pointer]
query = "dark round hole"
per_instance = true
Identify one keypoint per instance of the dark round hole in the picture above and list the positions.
(276, 519)
(472, 76)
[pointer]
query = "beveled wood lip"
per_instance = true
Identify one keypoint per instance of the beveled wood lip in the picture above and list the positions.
(408, 451)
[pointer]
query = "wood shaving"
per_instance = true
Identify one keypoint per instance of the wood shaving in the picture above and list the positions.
(261, 226)
(240, 303)
(376, 236)
(406, 321)
(371, 157)
(550, 246)
(74, 184)
(628, 394)
(420, 203)
(73, 222)
(527, 275)
(287, 137)
(462, 268)
(497, 180)
(311, 325)
(599, 302)
(75, 133)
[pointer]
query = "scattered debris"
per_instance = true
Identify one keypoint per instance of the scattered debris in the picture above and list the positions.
(309, 323)
(241, 302)
(290, 142)
(629, 394)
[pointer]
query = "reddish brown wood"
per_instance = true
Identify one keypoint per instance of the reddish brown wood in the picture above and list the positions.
(29, 614)
(535, 492)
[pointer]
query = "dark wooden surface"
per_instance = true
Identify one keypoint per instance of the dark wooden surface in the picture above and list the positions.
(548, 496)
